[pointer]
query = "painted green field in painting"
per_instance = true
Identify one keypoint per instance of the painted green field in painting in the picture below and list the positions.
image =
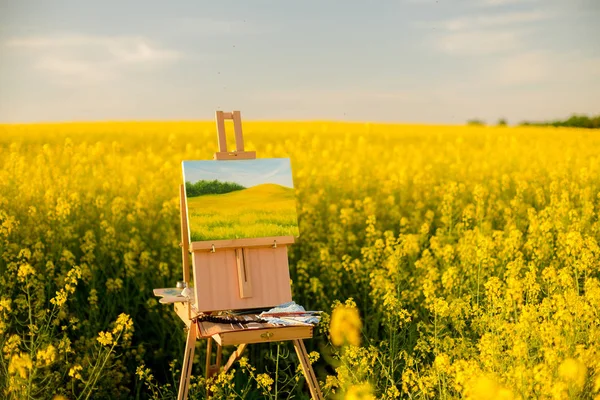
(259, 211)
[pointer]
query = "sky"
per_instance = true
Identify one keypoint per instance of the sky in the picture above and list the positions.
(414, 61)
(247, 173)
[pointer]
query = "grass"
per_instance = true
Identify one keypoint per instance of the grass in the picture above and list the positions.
(260, 211)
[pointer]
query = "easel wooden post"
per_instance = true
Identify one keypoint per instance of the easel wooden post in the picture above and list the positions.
(246, 254)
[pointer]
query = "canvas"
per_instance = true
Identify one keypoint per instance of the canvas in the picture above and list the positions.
(240, 199)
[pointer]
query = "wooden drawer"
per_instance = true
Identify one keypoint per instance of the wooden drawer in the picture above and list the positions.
(274, 334)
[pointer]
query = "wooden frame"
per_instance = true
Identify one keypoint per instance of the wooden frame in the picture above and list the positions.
(256, 274)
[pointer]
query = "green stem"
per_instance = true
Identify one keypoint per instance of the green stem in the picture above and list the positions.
(31, 335)
(95, 375)
(435, 331)
(50, 318)
(478, 273)
(277, 370)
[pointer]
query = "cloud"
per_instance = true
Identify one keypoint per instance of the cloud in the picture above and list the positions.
(279, 172)
(479, 42)
(485, 34)
(202, 26)
(522, 68)
(69, 68)
(494, 3)
(495, 20)
(308, 95)
(91, 58)
(545, 67)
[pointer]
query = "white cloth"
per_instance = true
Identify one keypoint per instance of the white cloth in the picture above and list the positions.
(289, 320)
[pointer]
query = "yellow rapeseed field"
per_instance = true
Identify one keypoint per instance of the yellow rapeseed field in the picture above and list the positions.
(450, 261)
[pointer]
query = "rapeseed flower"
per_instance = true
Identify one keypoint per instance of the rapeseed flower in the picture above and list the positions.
(20, 364)
(573, 371)
(363, 391)
(345, 326)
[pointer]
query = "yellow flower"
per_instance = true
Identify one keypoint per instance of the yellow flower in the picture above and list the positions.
(442, 362)
(486, 388)
(124, 325)
(392, 392)
(573, 371)
(20, 364)
(12, 344)
(345, 326)
(123, 322)
(114, 285)
(139, 371)
(70, 284)
(60, 298)
(93, 297)
(105, 338)
(313, 357)
(25, 270)
(46, 356)
(363, 391)
(264, 380)
(331, 383)
(74, 371)
(5, 304)
(144, 373)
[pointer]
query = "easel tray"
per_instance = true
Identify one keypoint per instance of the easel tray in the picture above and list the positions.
(253, 332)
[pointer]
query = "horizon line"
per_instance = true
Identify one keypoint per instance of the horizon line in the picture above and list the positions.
(286, 121)
(291, 121)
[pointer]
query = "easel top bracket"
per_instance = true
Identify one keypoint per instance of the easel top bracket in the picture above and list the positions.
(239, 153)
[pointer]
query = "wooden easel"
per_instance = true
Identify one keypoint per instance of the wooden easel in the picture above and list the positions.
(247, 253)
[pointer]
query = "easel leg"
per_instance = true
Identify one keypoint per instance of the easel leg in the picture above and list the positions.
(208, 362)
(188, 360)
(234, 357)
(208, 356)
(212, 369)
(219, 356)
(309, 374)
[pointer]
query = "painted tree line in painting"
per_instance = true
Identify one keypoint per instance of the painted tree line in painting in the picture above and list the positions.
(203, 187)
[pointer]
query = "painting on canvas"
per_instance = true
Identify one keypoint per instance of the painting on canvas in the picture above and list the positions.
(240, 199)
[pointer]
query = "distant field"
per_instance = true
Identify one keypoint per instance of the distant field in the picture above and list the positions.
(260, 211)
